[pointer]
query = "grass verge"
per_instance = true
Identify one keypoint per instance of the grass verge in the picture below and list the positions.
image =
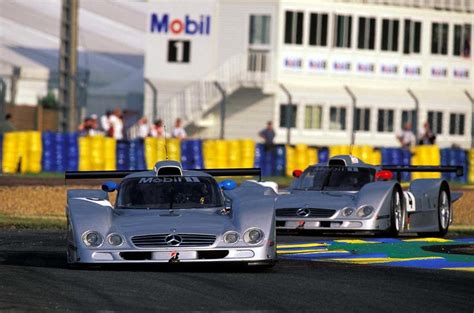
(32, 222)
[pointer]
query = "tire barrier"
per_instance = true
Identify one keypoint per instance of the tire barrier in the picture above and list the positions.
(1, 152)
(154, 150)
(422, 155)
(136, 155)
(455, 156)
(470, 172)
(22, 152)
(396, 156)
(33, 152)
(191, 154)
(300, 157)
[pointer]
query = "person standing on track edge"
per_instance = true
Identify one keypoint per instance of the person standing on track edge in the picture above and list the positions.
(268, 134)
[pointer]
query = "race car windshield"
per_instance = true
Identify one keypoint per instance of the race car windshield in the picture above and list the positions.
(173, 192)
(338, 178)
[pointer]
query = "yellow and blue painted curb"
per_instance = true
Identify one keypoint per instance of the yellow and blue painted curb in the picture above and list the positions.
(409, 252)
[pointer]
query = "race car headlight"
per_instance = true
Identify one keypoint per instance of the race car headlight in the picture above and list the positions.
(92, 239)
(231, 237)
(114, 239)
(347, 211)
(253, 236)
(365, 211)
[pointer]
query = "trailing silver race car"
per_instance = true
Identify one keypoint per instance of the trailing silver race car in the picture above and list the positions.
(346, 194)
(171, 215)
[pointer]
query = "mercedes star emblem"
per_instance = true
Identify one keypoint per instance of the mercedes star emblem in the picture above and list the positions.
(303, 212)
(173, 240)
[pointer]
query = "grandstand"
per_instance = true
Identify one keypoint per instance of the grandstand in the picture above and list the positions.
(111, 47)
(393, 55)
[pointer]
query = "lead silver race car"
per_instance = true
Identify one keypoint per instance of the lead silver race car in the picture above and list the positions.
(171, 215)
(345, 194)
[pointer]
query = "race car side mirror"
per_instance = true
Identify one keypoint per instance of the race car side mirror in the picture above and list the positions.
(110, 186)
(297, 173)
(228, 184)
(383, 175)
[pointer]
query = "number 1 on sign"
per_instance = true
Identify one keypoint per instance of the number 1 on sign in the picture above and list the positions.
(179, 46)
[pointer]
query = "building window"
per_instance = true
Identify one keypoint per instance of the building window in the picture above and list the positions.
(435, 119)
(259, 32)
(366, 33)
(462, 40)
(313, 116)
(294, 27)
(283, 115)
(318, 29)
(456, 124)
(390, 29)
(385, 120)
(337, 118)
(408, 116)
(342, 31)
(412, 37)
(362, 119)
(439, 38)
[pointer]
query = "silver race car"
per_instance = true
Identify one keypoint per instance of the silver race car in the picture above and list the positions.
(171, 215)
(346, 194)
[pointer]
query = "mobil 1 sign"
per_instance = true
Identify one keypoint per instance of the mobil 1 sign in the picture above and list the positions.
(180, 39)
(179, 51)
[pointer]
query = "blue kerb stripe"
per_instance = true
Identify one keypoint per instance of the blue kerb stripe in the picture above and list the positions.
(464, 240)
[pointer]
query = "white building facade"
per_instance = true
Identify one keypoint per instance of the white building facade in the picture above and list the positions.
(346, 65)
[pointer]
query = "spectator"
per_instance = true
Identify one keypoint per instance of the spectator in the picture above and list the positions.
(427, 137)
(143, 128)
(116, 124)
(7, 125)
(105, 123)
(85, 127)
(158, 129)
(178, 131)
(268, 135)
(406, 136)
(94, 125)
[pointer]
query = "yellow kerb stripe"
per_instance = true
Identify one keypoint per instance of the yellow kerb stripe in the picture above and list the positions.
(468, 269)
(302, 245)
(427, 240)
(309, 251)
(382, 260)
(355, 241)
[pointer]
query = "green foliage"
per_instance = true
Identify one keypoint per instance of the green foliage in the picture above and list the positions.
(49, 101)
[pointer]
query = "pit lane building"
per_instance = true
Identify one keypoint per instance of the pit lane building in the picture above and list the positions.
(374, 64)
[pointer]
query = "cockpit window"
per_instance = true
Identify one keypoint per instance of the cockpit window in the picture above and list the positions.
(340, 178)
(169, 192)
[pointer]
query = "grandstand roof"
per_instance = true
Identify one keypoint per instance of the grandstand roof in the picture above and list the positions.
(111, 40)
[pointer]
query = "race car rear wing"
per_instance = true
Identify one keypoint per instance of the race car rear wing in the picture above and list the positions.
(121, 174)
(399, 169)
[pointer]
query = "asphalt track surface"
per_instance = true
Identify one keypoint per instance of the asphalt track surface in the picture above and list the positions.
(34, 277)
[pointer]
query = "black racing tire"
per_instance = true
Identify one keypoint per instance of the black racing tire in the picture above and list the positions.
(444, 213)
(397, 213)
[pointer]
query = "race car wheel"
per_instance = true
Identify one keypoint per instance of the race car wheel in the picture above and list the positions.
(397, 216)
(444, 213)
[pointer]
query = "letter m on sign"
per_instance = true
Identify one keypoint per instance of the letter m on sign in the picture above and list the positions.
(159, 25)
